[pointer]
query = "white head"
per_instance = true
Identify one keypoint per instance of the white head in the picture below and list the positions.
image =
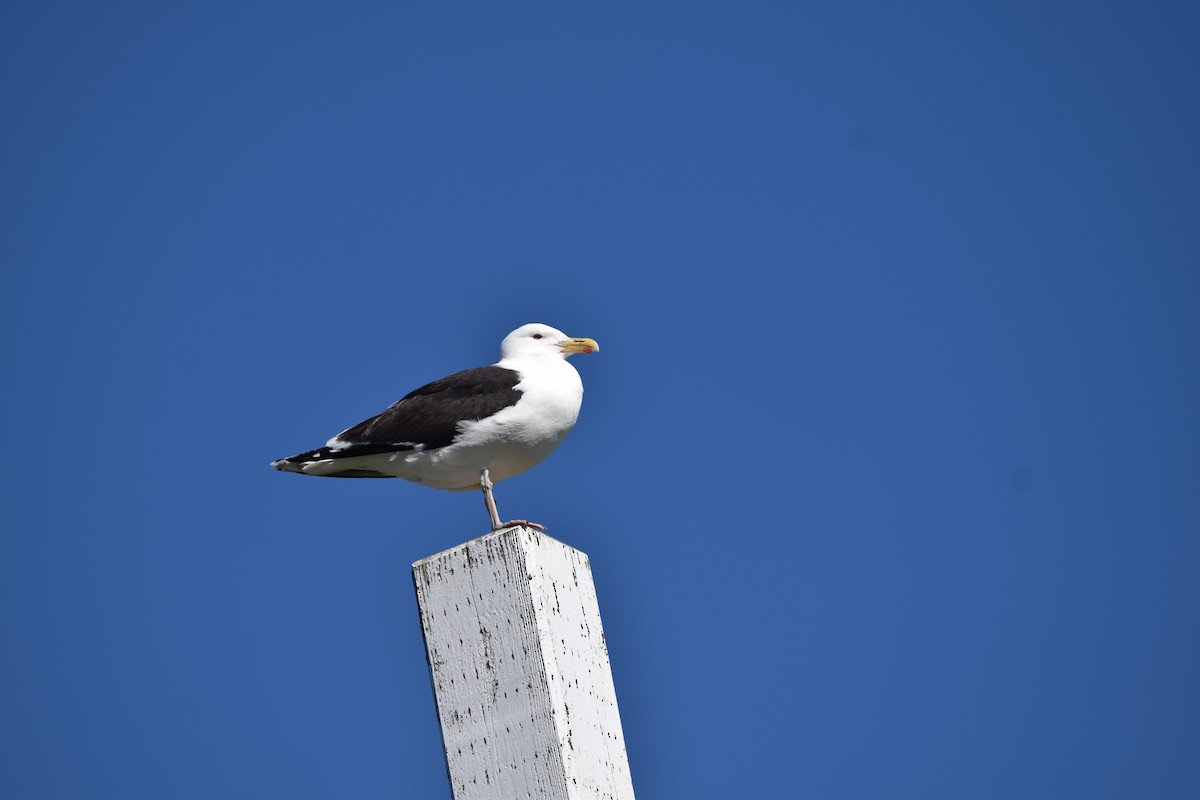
(536, 340)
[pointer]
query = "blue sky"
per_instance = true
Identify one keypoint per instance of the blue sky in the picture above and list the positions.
(887, 468)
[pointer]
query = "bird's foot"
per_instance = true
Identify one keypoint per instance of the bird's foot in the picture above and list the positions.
(485, 483)
(512, 523)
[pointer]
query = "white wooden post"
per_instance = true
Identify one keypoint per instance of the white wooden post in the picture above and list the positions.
(520, 670)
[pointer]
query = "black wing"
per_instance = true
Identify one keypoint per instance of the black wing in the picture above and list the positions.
(427, 417)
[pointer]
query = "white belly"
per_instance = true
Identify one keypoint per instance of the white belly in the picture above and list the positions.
(507, 444)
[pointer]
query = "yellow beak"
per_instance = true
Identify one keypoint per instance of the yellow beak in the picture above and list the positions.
(571, 346)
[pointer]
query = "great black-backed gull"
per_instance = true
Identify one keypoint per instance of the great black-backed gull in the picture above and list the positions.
(470, 429)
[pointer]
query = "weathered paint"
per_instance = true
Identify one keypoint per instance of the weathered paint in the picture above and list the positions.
(520, 670)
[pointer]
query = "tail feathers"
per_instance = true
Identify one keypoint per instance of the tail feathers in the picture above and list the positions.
(296, 463)
(287, 465)
(318, 462)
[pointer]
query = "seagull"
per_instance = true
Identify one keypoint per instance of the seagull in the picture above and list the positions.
(470, 429)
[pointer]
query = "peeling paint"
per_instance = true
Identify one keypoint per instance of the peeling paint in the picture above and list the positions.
(513, 591)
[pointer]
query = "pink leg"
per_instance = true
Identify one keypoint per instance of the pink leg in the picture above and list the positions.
(490, 501)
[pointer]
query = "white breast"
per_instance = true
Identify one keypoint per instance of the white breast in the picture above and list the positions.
(517, 438)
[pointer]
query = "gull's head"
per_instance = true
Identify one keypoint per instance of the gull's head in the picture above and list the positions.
(536, 340)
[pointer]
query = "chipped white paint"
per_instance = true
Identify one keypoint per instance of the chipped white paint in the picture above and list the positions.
(520, 670)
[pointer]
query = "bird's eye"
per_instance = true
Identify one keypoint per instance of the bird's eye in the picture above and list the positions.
(537, 336)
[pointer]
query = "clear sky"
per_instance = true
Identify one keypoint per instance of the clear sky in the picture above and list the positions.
(888, 467)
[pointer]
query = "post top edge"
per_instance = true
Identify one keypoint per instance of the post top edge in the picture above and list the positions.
(530, 534)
